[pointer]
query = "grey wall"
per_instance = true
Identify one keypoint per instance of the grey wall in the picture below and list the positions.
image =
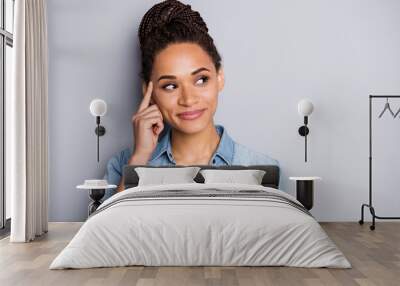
(274, 53)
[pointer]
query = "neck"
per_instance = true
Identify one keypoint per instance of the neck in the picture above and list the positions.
(196, 148)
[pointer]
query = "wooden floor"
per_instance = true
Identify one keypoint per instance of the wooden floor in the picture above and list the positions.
(374, 255)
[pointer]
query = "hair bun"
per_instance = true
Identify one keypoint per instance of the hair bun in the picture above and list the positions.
(170, 11)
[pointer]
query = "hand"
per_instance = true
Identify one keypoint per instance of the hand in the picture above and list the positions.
(147, 125)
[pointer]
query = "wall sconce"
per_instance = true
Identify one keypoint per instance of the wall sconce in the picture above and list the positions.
(98, 108)
(305, 108)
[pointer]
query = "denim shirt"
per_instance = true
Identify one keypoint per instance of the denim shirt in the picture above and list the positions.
(228, 152)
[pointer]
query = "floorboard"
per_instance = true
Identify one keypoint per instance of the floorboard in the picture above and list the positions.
(374, 255)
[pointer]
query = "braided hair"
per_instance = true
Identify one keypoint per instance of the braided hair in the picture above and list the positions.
(170, 22)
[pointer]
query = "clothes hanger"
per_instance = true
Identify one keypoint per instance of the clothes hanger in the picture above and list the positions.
(387, 106)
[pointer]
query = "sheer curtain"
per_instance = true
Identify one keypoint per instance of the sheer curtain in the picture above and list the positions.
(27, 124)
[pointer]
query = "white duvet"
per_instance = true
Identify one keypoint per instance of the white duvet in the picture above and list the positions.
(181, 231)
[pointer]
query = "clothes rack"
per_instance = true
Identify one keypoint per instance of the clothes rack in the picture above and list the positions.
(369, 205)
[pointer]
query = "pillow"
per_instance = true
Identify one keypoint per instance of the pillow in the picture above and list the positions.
(160, 176)
(249, 176)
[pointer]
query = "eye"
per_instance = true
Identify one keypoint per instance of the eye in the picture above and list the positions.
(204, 78)
(168, 86)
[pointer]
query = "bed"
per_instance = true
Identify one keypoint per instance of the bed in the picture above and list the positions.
(201, 224)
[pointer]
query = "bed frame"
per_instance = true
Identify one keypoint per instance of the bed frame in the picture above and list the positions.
(270, 179)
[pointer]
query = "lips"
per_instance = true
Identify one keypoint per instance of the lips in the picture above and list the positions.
(190, 115)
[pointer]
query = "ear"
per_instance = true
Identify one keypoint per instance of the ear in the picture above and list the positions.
(221, 79)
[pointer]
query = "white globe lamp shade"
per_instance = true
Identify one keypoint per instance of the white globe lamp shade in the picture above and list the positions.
(98, 107)
(305, 107)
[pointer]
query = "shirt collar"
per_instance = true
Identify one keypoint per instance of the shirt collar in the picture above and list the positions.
(224, 150)
(225, 147)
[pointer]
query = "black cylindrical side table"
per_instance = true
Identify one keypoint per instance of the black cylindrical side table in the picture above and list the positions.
(305, 190)
(96, 193)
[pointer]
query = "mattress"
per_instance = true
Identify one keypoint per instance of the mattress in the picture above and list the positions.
(196, 224)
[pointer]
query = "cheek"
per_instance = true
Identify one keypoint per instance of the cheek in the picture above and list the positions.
(210, 96)
(166, 103)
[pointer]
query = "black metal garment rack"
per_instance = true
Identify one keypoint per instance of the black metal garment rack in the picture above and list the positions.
(369, 205)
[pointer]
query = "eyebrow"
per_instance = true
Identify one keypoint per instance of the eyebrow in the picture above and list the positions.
(174, 77)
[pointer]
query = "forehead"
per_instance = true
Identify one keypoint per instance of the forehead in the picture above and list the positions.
(181, 59)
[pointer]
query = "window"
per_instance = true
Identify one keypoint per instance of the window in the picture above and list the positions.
(6, 60)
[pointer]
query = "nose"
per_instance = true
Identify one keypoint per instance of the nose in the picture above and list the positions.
(188, 96)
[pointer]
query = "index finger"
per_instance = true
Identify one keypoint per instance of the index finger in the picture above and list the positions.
(147, 96)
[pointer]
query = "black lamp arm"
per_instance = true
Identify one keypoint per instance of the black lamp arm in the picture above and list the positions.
(303, 131)
(100, 131)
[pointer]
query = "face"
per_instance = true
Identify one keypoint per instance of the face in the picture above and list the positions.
(185, 80)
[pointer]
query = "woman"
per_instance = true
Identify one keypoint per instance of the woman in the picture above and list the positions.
(182, 76)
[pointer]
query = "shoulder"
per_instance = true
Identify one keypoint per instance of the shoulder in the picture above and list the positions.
(118, 160)
(244, 155)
